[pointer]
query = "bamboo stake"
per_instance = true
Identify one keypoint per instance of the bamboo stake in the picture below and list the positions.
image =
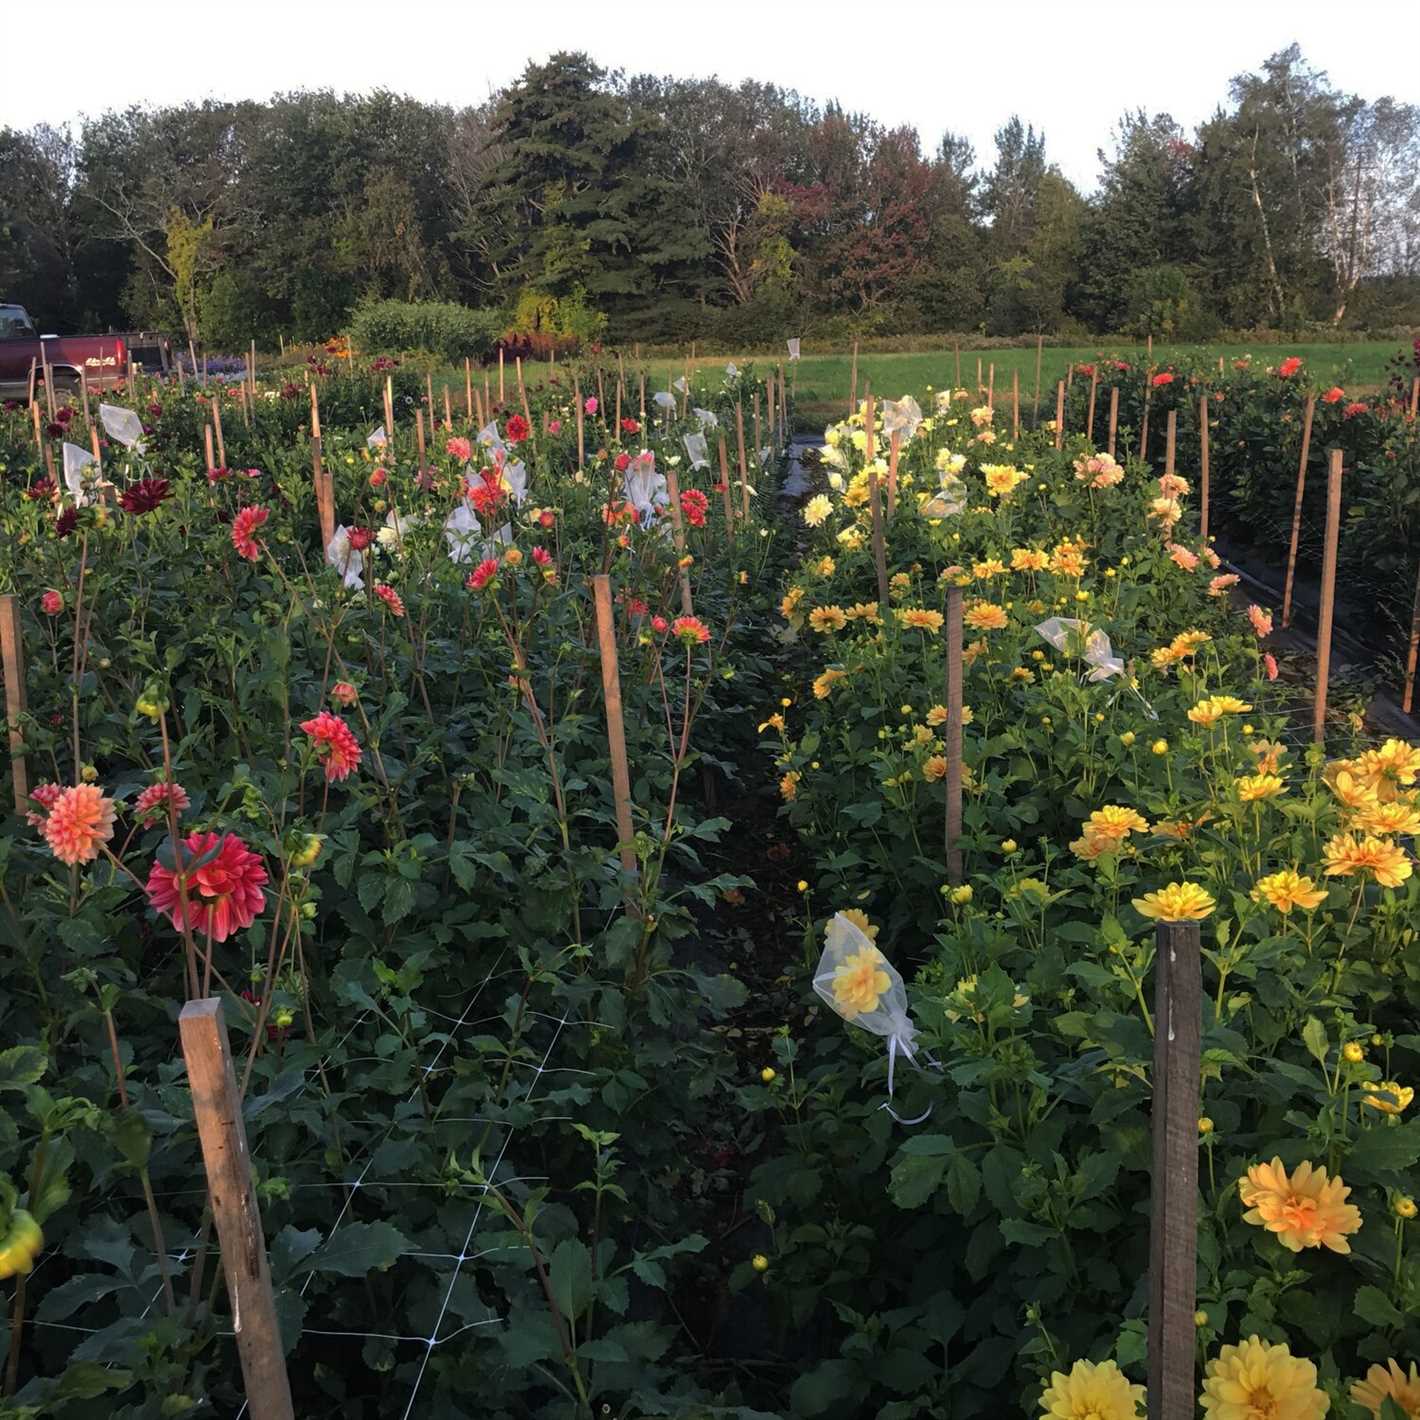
(207, 446)
(616, 426)
(217, 1107)
(35, 418)
(487, 399)
(419, 439)
(615, 732)
(389, 414)
(429, 398)
(468, 387)
(991, 386)
(30, 393)
(954, 726)
(325, 496)
(1113, 417)
(246, 407)
(956, 351)
(84, 397)
(251, 370)
(979, 385)
(678, 525)
(448, 412)
(1328, 595)
(642, 383)
(1090, 415)
(1414, 398)
(1173, 1205)
(876, 505)
(1015, 405)
(1297, 511)
(1203, 466)
(1060, 414)
(501, 395)
(12, 657)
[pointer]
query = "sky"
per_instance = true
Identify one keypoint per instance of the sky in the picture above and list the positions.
(1070, 68)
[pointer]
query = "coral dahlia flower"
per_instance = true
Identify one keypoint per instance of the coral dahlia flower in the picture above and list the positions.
(79, 823)
(390, 597)
(224, 894)
(244, 527)
(154, 801)
(335, 743)
(1306, 1209)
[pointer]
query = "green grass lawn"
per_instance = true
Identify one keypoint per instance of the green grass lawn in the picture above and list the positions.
(821, 382)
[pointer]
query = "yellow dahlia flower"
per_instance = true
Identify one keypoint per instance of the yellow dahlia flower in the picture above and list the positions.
(1306, 1209)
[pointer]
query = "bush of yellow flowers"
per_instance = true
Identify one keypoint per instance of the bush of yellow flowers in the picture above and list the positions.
(1131, 755)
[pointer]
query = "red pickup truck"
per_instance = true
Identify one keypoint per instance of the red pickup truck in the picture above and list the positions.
(103, 359)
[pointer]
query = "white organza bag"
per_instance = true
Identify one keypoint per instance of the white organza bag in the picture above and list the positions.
(860, 984)
(1068, 634)
(123, 425)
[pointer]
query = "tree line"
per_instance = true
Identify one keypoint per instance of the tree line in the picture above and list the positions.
(582, 201)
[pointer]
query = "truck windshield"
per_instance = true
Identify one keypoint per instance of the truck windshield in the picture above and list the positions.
(14, 322)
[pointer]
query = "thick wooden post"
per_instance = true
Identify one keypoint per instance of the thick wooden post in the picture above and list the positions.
(1203, 469)
(615, 727)
(1173, 1205)
(12, 656)
(217, 1107)
(1328, 595)
(1297, 511)
(954, 722)
(678, 524)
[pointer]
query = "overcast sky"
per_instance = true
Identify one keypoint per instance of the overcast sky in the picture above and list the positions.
(1072, 68)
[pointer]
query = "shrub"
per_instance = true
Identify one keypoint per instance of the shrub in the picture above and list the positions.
(452, 331)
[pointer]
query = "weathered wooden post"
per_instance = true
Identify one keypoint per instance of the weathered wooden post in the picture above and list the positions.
(12, 657)
(1297, 511)
(615, 729)
(1328, 595)
(954, 724)
(1173, 1203)
(217, 1107)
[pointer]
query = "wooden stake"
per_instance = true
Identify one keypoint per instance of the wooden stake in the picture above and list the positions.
(1039, 348)
(1015, 405)
(12, 658)
(429, 398)
(1090, 415)
(725, 489)
(1414, 398)
(894, 448)
(448, 412)
(979, 385)
(419, 438)
(217, 1107)
(1203, 466)
(1144, 425)
(389, 415)
(207, 446)
(991, 386)
(853, 384)
(216, 403)
(876, 506)
(1060, 414)
(1173, 1204)
(1170, 441)
(581, 423)
(740, 445)
(758, 435)
(615, 729)
(1297, 511)
(501, 395)
(468, 387)
(956, 351)
(678, 524)
(1412, 655)
(1328, 595)
(325, 496)
(1113, 417)
(954, 724)
(251, 370)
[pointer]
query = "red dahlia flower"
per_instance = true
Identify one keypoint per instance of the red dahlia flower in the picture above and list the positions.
(335, 743)
(51, 603)
(1164, 377)
(145, 496)
(390, 597)
(482, 575)
(223, 893)
(693, 503)
(516, 429)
